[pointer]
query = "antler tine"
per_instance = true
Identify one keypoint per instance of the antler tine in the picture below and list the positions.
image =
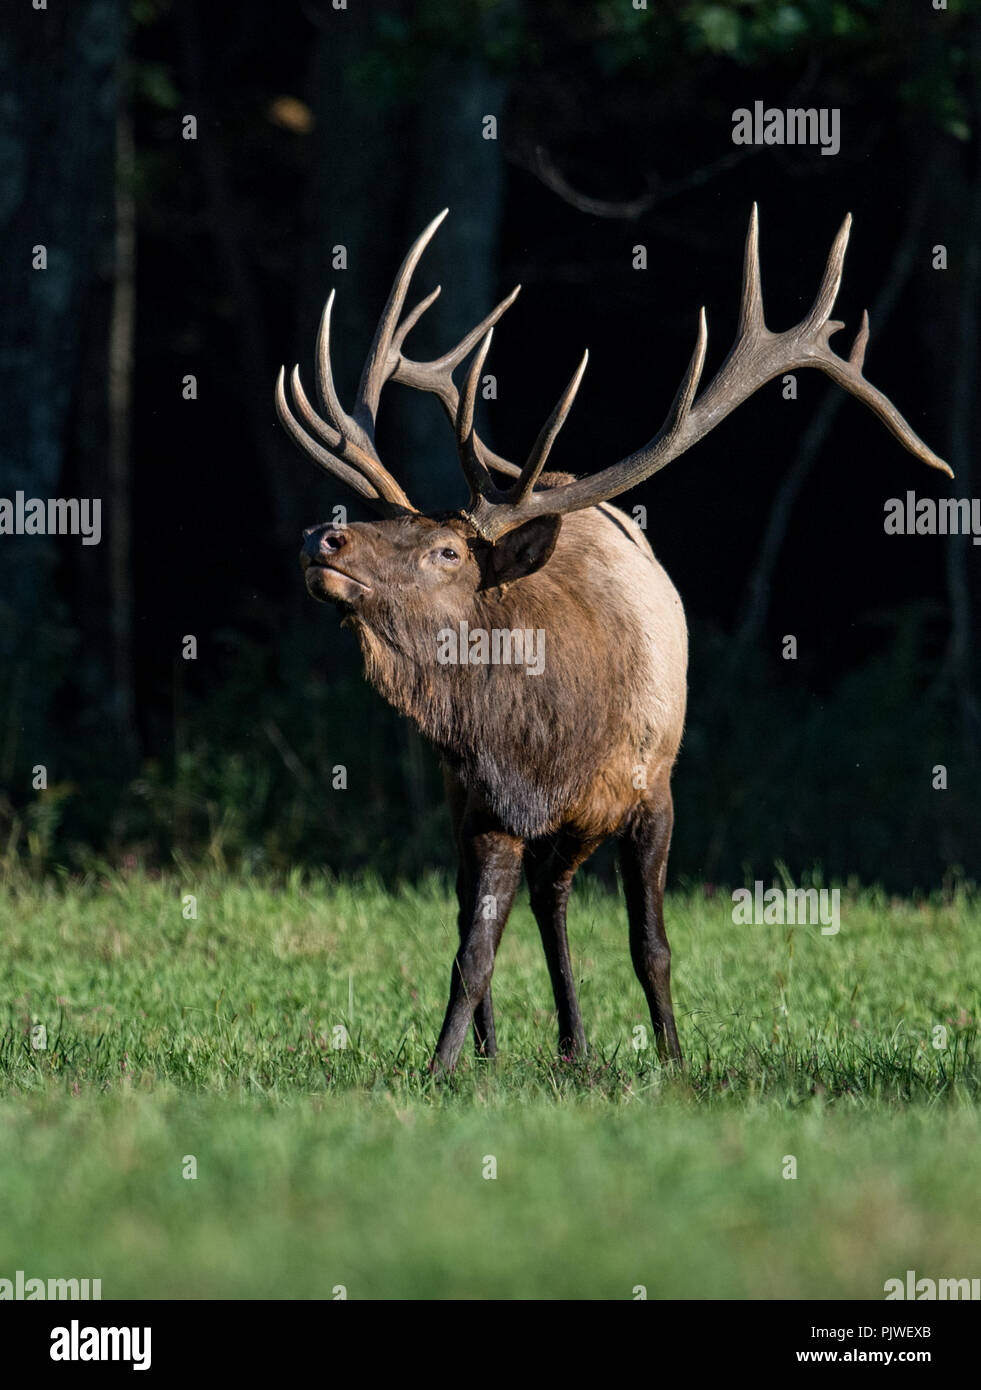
(347, 427)
(381, 360)
(356, 444)
(436, 376)
(751, 321)
(849, 375)
(320, 427)
(820, 311)
(452, 359)
(366, 464)
(857, 355)
(474, 469)
(413, 317)
(329, 462)
(546, 438)
(681, 405)
(495, 520)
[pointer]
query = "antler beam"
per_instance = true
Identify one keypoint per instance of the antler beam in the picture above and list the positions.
(756, 357)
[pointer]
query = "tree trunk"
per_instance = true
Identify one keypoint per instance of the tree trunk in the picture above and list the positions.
(58, 76)
(378, 177)
(455, 167)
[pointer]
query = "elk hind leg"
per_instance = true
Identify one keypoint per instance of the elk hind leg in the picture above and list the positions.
(644, 847)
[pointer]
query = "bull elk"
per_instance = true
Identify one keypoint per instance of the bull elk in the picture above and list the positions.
(539, 769)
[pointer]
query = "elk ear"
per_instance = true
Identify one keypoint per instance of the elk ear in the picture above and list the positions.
(522, 551)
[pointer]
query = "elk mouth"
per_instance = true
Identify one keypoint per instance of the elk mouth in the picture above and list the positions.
(330, 583)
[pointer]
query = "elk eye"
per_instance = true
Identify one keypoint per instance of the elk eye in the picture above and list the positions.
(448, 553)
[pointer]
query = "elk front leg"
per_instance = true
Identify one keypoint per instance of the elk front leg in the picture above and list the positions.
(551, 866)
(490, 869)
(484, 1035)
(644, 863)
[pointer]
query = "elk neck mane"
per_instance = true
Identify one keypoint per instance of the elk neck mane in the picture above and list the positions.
(534, 745)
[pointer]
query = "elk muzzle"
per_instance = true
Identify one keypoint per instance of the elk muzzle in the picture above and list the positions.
(329, 563)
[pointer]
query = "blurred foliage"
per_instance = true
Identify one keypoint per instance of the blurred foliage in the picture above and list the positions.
(842, 780)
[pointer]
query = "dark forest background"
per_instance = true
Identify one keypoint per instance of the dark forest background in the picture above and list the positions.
(319, 127)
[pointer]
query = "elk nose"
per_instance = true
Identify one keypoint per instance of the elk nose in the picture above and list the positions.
(320, 542)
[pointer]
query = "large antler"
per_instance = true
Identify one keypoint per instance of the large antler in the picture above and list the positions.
(344, 444)
(757, 355)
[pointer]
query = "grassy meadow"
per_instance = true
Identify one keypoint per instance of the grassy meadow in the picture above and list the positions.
(237, 1104)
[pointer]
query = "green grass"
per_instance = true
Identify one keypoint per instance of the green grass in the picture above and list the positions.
(320, 1165)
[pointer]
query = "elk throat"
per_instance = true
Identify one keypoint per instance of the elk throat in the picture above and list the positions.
(534, 738)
